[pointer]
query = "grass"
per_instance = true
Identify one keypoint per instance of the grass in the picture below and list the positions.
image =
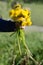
(34, 41)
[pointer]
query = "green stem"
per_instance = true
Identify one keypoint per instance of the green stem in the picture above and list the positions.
(18, 42)
(12, 34)
(25, 45)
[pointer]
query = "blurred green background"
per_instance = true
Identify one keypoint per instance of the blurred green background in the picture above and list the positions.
(34, 39)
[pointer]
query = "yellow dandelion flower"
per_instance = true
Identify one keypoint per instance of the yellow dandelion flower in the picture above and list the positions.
(23, 23)
(20, 15)
(11, 13)
(28, 12)
(14, 13)
(26, 23)
(25, 13)
(17, 6)
(21, 19)
(17, 12)
(28, 20)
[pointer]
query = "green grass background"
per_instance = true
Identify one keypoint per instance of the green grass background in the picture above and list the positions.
(34, 40)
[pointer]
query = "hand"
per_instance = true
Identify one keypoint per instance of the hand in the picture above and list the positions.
(22, 27)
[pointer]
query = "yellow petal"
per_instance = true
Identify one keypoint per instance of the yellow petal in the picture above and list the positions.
(11, 13)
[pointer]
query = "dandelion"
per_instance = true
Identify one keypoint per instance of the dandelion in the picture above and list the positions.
(11, 13)
(22, 17)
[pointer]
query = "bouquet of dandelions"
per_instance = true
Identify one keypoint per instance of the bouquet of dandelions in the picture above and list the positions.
(22, 18)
